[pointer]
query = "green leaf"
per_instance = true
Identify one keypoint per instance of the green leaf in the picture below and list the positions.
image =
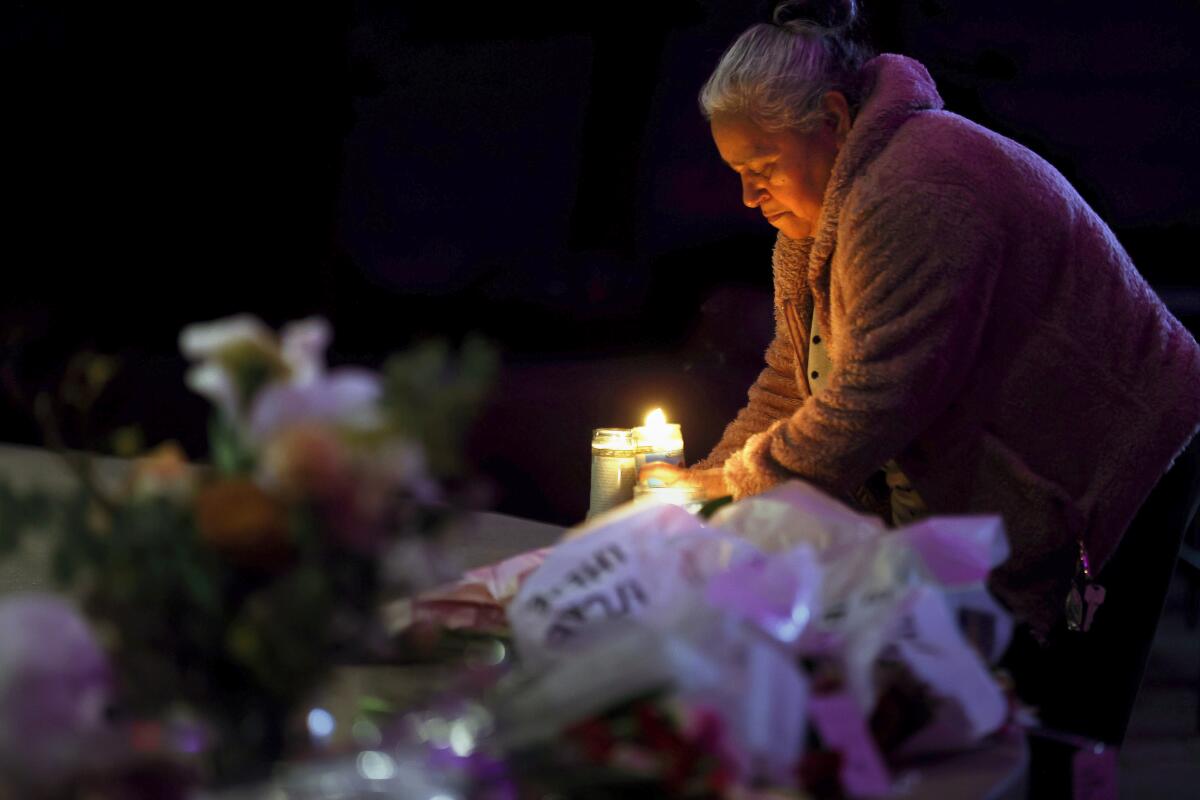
(433, 396)
(229, 454)
(22, 513)
(712, 506)
(63, 566)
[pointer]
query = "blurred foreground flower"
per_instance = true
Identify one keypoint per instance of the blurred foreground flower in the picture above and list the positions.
(163, 472)
(55, 688)
(347, 398)
(238, 356)
(228, 592)
(241, 521)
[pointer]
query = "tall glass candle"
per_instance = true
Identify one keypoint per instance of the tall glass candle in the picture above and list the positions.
(614, 468)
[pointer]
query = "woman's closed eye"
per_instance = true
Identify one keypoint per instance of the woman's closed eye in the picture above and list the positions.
(764, 172)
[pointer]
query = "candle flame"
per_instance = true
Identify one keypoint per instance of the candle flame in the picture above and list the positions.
(656, 417)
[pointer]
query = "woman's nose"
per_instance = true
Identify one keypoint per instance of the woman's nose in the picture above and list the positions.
(753, 192)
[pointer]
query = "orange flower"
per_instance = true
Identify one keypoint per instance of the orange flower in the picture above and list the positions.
(242, 521)
(164, 471)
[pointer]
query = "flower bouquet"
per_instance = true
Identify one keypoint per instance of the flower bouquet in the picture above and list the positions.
(786, 643)
(218, 596)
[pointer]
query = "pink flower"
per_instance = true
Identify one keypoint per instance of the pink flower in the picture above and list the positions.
(345, 397)
(306, 460)
(353, 484)
(55, 686)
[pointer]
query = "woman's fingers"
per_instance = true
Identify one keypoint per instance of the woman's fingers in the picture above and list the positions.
(664, 473)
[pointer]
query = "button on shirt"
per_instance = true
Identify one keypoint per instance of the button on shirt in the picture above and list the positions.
(907, 505)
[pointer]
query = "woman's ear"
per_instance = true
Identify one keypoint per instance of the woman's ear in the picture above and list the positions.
(838, 109)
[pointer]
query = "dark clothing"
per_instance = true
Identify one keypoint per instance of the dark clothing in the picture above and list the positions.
(1086, 683)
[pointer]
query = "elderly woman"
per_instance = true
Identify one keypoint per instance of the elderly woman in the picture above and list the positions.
(948, 311)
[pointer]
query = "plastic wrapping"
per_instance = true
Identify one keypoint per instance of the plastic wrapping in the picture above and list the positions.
(645, 565)
(649, 598)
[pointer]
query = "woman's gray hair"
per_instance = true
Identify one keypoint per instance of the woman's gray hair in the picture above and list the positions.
(778, 73)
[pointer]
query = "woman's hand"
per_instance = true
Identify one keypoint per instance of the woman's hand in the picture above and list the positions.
(660, 473)
(711, 481)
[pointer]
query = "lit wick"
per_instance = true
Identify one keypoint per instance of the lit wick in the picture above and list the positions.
(658, 440)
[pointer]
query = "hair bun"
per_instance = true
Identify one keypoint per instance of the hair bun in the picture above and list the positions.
(824, 16)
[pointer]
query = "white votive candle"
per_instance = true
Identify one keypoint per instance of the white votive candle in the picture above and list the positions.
(658, 440)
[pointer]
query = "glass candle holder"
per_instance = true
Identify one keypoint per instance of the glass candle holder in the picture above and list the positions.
(658, 442)
(614, 469)
(689, 497)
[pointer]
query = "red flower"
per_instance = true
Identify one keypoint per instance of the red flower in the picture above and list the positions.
(595, 738)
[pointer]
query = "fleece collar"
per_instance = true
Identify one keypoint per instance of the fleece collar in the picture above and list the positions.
(896, 87)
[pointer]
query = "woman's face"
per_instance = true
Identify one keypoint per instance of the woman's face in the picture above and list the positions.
(783, 174)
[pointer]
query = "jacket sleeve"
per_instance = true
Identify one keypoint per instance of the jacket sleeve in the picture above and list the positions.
(773, 395)
(919, 265)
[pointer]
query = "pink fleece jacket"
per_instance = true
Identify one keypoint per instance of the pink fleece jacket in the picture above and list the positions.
(986, 330)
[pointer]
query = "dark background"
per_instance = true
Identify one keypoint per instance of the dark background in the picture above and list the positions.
(539, 175)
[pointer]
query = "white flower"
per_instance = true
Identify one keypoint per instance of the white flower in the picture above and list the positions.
(237, 356)
(206, 340)
(303, 344)
(241, 360)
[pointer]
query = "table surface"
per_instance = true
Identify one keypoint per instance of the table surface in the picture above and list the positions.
(994, 771)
